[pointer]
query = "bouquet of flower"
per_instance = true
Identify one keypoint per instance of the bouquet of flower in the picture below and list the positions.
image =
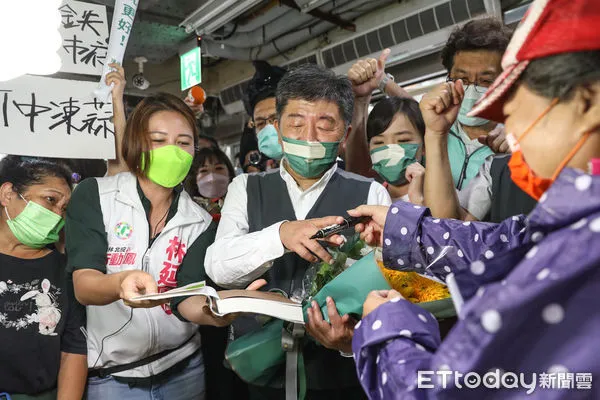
(321, 273)
(422, 290)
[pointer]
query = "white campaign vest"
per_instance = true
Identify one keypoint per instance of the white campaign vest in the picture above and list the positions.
(151, 330)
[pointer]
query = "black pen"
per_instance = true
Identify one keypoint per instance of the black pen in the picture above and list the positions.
(337, 228)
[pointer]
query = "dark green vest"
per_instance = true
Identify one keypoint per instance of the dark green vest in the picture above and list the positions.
(507, 198)
(269, 203)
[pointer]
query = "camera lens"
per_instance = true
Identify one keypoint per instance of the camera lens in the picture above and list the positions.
(254, 158)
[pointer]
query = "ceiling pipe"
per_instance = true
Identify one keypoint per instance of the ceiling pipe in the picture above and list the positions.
(274, 12)
(266, 33)
(230, 49)
(238, 8)
(206, 12)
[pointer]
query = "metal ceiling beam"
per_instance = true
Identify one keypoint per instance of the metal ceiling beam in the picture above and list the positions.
(323, 16)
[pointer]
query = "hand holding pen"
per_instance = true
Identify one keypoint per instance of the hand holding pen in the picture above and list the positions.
(295, 236)
(349, 222)
(371, 229)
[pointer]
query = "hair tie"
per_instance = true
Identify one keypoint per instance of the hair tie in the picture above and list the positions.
(75, 177)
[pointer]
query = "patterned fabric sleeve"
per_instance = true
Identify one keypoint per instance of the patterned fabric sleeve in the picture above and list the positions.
(390, 345)
(413, 241)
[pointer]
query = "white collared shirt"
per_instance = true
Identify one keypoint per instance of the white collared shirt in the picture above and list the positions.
(237, 257)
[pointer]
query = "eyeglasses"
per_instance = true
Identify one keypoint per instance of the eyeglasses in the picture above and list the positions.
(260, 123)
(480, 86)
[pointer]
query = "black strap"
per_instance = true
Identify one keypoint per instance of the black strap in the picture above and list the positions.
(104, 372)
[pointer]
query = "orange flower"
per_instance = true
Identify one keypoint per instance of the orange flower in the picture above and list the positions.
(414, 287)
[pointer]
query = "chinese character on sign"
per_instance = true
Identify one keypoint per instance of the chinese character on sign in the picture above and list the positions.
(92, 55)
(124, 25)
(565, 380)
(94, 123)
(5, 106)
(72, 46)
(66, 13)
(547, 381)
(128, 11)
(34, 111)
(68, 109)
(88, 21)
(584, 380)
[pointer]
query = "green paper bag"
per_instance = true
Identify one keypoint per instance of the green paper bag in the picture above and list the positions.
(257, 357)
(350, 289)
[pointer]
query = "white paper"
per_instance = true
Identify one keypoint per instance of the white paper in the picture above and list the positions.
(50, 117)
(457, 298)
(84, 32)
(193, 289)
(122, 24)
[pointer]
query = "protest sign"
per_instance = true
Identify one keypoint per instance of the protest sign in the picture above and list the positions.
(122, 24)
(84, 32)
(51, 117)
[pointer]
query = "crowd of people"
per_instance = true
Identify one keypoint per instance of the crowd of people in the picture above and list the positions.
(491, 179)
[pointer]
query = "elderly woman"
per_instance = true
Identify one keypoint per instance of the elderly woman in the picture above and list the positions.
(42, 345)
(529, 285)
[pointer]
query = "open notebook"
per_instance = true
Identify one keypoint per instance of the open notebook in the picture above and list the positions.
(237, 301)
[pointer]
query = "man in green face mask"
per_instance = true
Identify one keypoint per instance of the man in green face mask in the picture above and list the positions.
(267, 219)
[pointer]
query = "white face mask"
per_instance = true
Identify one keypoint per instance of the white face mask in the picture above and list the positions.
(213, 185)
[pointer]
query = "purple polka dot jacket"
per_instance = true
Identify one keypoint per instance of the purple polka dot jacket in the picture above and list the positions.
(530, 324)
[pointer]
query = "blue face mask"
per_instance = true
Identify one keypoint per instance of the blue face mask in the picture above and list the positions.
(268, 142)
(472, 96)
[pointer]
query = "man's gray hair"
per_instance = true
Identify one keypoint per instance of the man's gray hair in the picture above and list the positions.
(313, 82)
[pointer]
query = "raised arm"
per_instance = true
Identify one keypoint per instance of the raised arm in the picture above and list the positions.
(366, 76)
(117, 78)
(440, 109)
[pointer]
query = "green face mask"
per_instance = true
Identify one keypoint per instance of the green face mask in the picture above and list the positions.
(35, 226)
(169, 165)
(310, 159)
(391, 161)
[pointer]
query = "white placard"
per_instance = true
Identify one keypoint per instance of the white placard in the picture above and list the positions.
(51, 117)
(84, 32)
(122, 23)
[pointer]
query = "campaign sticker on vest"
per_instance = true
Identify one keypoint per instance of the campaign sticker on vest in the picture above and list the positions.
(30, 304)
(168, 275)
(123, 230)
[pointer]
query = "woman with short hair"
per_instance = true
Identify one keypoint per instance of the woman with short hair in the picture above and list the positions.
(42, 342)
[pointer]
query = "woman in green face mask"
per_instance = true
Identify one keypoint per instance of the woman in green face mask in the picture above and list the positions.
(395, 131)
(41, 343)
(137, 233)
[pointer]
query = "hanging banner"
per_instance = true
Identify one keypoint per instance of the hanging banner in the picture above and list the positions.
(122, 23)
(84, 32)
(50, 117)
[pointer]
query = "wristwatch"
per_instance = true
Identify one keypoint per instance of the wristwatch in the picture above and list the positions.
(385, 80)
